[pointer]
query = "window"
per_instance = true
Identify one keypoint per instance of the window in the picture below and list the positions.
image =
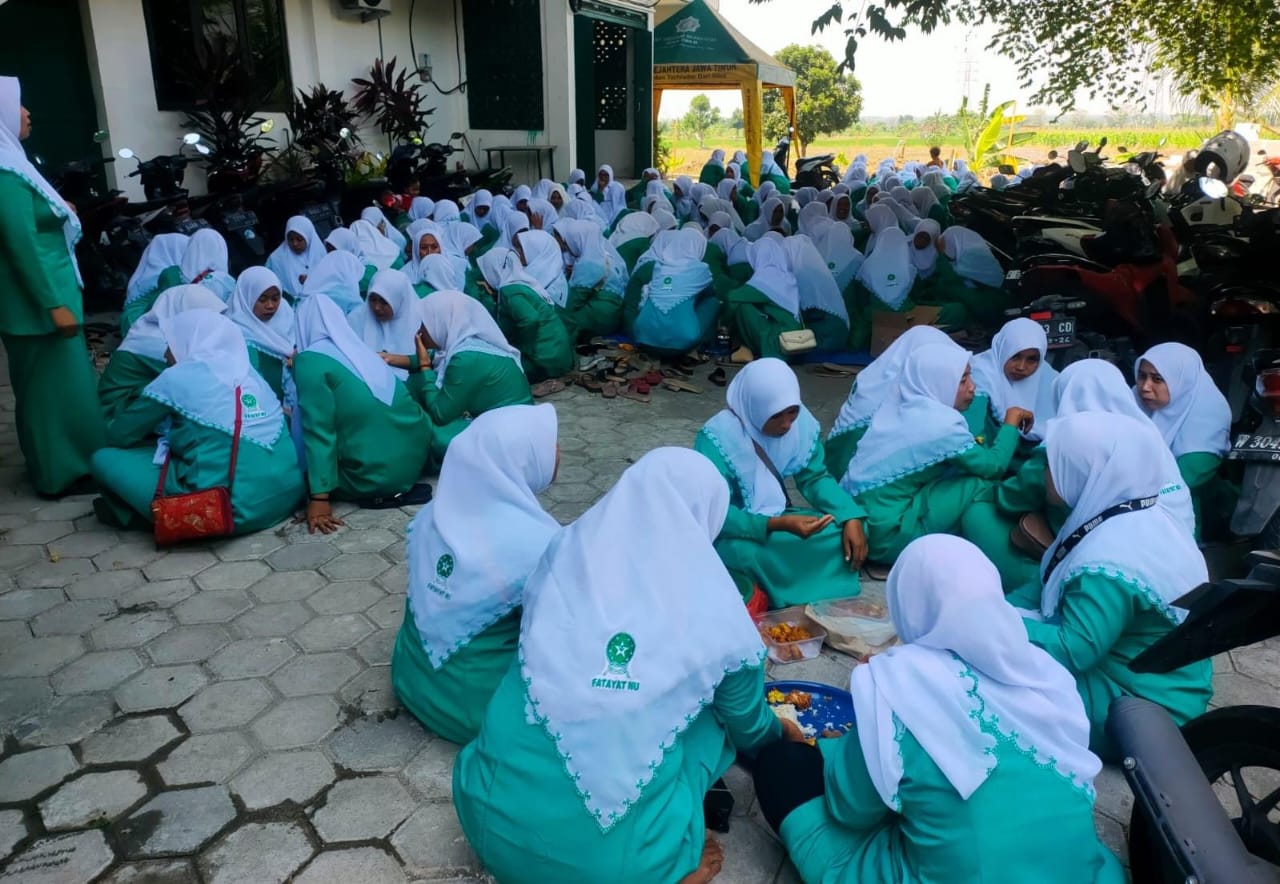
(503, 40)
(248, 34)
(609, 48)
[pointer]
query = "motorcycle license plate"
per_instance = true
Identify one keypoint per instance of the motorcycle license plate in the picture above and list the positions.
(1255, 446)
(1060, 331)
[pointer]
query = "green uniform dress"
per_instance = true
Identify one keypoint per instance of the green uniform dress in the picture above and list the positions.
(1104, 620)
(521, 811)
(711, 174)
(474, 382)
(632, 249)
(982, 304)
(863, 306)
(270, 366)
(535, 329)
(592, 311)
(266, 489)
(755, 321)
(790, 570)
(133, 311)
(123, 381)
(680, 329)
(58, 418)
(357, 447)
(1026, 823)
(1211, 496)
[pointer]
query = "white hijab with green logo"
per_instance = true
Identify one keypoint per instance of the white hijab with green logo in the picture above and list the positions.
(620, 653)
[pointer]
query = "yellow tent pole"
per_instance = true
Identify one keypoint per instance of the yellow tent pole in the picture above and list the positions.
(657, 104)
(753, 126)
(789, 99)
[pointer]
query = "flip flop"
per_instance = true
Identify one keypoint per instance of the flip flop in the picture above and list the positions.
(546, 388)
(831, 370)
(590, 384)
(742, 356)
(609, 390)
(680, 386)
(653, 378)
(718, 377)
(415, 496)
(637, 391)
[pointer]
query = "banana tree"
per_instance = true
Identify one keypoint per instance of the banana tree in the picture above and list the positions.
(989, 145)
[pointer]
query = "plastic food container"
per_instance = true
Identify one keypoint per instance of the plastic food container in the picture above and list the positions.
(859, 625)
(793, 651)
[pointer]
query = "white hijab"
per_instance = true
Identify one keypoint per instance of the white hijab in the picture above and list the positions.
(375, 248)
(965, 667)
(322, 328)
(877, 381)
(458, 323)
(879, 218)
(543, 264)
(473, 546)
(205, 262)
(917, 425)
(614, 203)
(277, 337)
(768, 166)
(288, 266)
(397, 334)
(1035, 393)
(420, 208)
(835, 243)
(888, 272)
(378, 219)
(337, 277)
(717, 158)
(972, 257)
(762, 389)
(163, 252)
(1197, 417)
(818, 289)
(14, 159)
(771, 275)
(614, 649)
(637, 225)
(145, 337)
(925, 259)
(438, 271)
(1098, 460)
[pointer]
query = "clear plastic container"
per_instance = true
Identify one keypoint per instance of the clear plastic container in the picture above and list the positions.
(859, 625)
(793, 651)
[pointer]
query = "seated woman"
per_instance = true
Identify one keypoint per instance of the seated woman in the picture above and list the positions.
(139, 359)
(340, 239)
(378, 219)
(682, 199)
(773, 219)
(613, 723)
(836, 246)
(196, 399)
(886, 283)
(164, 251)
(713, 171)
(462, 621)
(770, 171)
(266, 321)
(299, 254)
(1108, 595)
(597, 281)
(374, 248)
(768, 304)
(1013, 373)
(527, 317)
(671, 305)
(795, 556)
(204, 262)
(928, 206)
(365, 437)
(543, 263)
(918, 469)
(338, 277)
(435, 273)
(388, 322)
(970, 276)
(922, 792)
(475, 369)
(1194, 419)
(822, 307)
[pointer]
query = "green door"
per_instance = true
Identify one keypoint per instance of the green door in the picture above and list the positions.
(42, 43)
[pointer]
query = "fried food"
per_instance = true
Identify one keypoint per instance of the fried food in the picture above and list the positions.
(783, 633)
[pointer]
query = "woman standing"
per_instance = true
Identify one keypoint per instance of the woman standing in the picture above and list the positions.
(58, 418)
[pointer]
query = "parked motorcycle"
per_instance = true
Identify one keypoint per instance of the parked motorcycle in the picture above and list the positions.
(428, 165)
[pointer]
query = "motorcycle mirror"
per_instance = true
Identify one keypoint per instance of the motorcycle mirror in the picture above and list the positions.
(378, 156)
(1076, 160)
(1102, 142)
(100, 136)
(1154, 188)
(416, 140)
(191, 138)
(267, 126)
(344, 132)
(203, 150)
(125, 153)
(1213, 188)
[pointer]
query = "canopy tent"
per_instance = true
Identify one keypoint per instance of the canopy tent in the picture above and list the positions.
(694, 48)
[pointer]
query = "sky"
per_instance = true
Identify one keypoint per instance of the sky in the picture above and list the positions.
(917, 76)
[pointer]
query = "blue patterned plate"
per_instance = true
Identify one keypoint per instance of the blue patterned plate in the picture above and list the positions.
(830, 708)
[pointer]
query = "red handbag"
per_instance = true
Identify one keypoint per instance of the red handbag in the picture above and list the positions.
(196, 515)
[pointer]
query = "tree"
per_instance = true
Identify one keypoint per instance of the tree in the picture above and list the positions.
(700, 118)
(1225, 55)
(827, 99)
(736, 121)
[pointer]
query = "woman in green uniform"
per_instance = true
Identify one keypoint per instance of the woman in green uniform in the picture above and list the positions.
(338, 277)
(1114, 571)
(713, 171)
(633, 236)
(794, 555)
(164, 251)
(204, 262)
(266, 321)
(771, 171)
(470, 551)
(139, 359)
(886, 282)
(638, 678)
(388, 322)
(962, 723)
(918, 469)
(597, 281)
(834, 243)
(671, 305)
(1013, 372)
(970, 276)
(295, 258)
(822, 306)
(59, 421)
(1194, 419)
(768, 304)
(527, 317)
(365, 437)
(196, 398)
(340, 239)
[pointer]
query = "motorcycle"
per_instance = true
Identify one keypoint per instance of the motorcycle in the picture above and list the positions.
(428, 165)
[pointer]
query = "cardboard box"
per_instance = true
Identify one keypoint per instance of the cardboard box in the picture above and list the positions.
(887, 326)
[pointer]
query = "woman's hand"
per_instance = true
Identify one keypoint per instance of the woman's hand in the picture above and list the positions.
(302, 277)
(855, 544)
(320, 517)
(1020, 418)
(395, 360)
(64, 321)
(791, 731)
(424, 355)
(801, 526)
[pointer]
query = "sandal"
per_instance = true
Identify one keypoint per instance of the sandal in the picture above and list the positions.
(546, 388)
(653, 378)
(637, 391)
(718, 377)
(590, 384)
(831, 370)
(878, 571)
(679, 385)
(609, 390)
(415, 496)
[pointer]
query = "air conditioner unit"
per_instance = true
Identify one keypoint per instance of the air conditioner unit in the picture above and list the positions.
(366, 10)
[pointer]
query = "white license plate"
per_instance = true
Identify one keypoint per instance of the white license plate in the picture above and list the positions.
(1061, 332)
(1251, 446)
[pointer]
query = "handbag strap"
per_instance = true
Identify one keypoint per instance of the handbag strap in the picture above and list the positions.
(235, 452)
(764, 458)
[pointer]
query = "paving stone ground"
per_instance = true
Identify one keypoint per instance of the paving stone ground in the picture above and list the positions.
(224, 713)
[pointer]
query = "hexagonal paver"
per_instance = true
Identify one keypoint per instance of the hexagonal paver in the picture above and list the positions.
(179, 563)
(161, 687)
(1260, 662)
(188, 644)
(345, 597)
(371, 691)
(296, 722)
(216, 606)
(62, 859)
(226, 704)
(430, 773)
(333, 633)
(369, 807)
(23, 698)
(232, 575)
(40, 656)
(153, 871)
(206, 758)
(22, 604)
(12, 830)
(431, 843)
(129, 740)
(159, 594)
(291, 586)
(27, 774)
(54, 572)
(84, 544)
(371, 540)
(63, 510)
(251, 657)
(358, 864)
(301, 556)
(257, 853)
(388, 613)
(73, 618)
(315, 674)
(38, 532)
(376, 649)
(249, 547)
(66, 720)
(104, 585)
(14, 557)
(91, 799)
(370, 744)
(278, 619)
(394, 580)
(176, 822)
(131, 630)
(127, 556)
(283, 776)
(96, 671)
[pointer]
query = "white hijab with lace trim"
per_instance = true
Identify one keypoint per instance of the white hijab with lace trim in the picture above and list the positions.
(1197, 418)
(1035, 393)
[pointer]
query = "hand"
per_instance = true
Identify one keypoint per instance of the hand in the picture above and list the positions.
(395, 360)
(1020, 418)
(803, 527)
(791, 731)
(64, 321)
(302, 277)
(424, 356)
(320, 517)
(855, 544)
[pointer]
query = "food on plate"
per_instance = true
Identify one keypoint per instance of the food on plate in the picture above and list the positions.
(799, 699)
(787, 632)
(831, 734)
(787, 712)
(775, 696)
